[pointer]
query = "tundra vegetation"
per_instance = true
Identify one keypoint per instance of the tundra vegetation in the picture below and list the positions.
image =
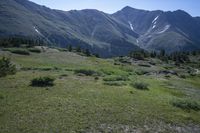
(71, 90)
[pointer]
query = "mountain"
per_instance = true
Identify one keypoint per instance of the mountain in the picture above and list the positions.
(106, 34)
(172, 31)
(89, 29)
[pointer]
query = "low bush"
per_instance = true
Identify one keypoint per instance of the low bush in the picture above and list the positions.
(63, 75)
(116, 78)
(167, 76)
(20, 51)
(6, 67)
(87, 72)
(144, 65)
(140, 85)
(182, 76)
(186, 104)
(114, 83)
(42, 82)
(1, 96)
(107, 72)
(141, 72)
(96, 78)
(34, 50)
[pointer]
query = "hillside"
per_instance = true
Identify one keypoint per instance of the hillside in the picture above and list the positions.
(97, 95)
(90, 29)
(108, 35)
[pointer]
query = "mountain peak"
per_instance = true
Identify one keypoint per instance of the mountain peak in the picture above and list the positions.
(182, 12)
(128, 8)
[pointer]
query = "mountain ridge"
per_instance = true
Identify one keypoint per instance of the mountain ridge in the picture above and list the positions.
(106, 34)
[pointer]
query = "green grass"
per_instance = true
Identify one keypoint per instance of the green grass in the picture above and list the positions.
(83, 104)
(186, 104)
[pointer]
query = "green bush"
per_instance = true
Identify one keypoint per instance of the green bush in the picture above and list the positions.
(141, 72)
(6, 67)
(116, 78)
(140, 85)
(63, 75)
(20, 51)
(182, 76)
(114, 83)
(34, 50)
(186, 104)
(42, 82)
(144, 65)
(96, 78)
(1, 96)
(87, 72)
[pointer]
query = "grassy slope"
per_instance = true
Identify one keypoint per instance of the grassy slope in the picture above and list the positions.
(82, 104)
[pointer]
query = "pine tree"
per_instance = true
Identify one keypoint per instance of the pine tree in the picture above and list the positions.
(6, 67)
(78, 49)
(70, 48)
(87, 52)
(162, 53)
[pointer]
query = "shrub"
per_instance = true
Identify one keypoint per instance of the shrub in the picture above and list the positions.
(182, 76)
(167, 76)
(1, 96)
(42, 82)
(116, 78)
(144, 65)
(87, 72)
(107, 72)
(45, 69)
(96, 78)
(6, 67)
(140, 85)
(18, 51)
(186, 104)
(63, 75)
(35, 50)
(141, 72)
(114, 83)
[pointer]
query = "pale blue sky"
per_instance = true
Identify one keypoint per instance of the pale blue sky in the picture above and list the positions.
(111, 6)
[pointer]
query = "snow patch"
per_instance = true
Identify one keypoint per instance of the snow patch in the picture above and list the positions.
(154, 26)
(155, 19)
(137, 41)
(131, 25)
(36, 30)
(165, 29)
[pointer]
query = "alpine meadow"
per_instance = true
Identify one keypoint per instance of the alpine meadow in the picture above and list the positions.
(88, 71)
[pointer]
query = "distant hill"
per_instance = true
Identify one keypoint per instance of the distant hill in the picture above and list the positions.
(106, 34)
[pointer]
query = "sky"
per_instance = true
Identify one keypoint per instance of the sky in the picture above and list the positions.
(111, 6)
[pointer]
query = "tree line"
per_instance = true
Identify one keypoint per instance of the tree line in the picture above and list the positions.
(178, 57)
(21, 41)
(78, 49)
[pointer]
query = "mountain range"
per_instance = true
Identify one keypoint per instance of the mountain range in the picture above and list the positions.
(106, 34)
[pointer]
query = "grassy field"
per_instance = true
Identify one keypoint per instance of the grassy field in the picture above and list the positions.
(101, 102)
